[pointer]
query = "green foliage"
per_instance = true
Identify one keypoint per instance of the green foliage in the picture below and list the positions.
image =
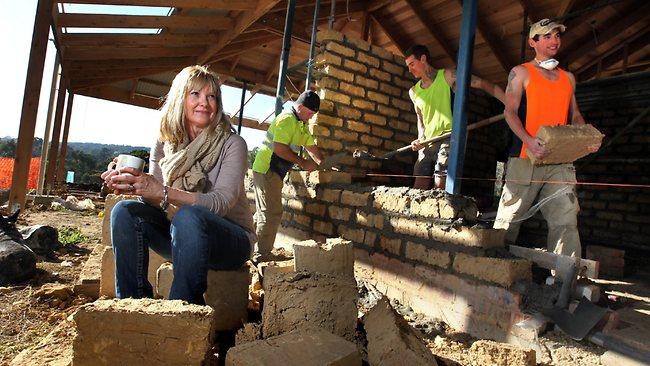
(70, 236)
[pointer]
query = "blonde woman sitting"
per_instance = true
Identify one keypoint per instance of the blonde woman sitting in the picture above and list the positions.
(196, 177)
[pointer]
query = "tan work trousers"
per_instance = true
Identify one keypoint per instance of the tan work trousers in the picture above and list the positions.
(524, 185)
(268, 209)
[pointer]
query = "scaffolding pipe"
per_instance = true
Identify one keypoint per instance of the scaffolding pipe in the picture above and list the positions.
(332, 17)
(48, 126)
(284, 58)
(312, 46)
(463, 78)
(241, 107)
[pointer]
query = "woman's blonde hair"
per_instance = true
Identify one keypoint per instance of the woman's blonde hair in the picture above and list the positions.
(172, 126)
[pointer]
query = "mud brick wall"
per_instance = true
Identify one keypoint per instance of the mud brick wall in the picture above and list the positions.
(365, 105)
(617, 217)
(416, 246)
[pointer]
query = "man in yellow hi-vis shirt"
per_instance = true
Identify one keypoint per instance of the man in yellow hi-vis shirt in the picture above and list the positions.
(280, 151)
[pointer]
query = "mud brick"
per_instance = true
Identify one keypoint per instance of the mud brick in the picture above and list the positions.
(107, 280)
(392, 341)
(382, 132)
(330, 195)
(339, 213)
(388, 111)
(348, 113)
(295, 204)
(372, 141)
(298, 177)
(504, 272)
(227, 294)
(346, 135)
(612, 261)
(358, 126)
(407, 226)
(378, 74)
(315, 209)
(322, 227)
(375, 119)
(335, 257)
(487, 352)
(329, 35)
(382, 52)
(91, 273)
(355, 66)
(355, 235)
(392, 68)
(129, 329)
(370, 220)
(311, 345)
(378, 97)
(328, 144)
(322, 177)
(421, 253)
(340, 49)
(427, 207)
(391, 200)
(358, 43)
(392, 246)
(326, 58)
(389, 89)
(318, 130)
(469, 236)
(355, 199)
(300, 299)
(352, 90)
(368, 60)
(370, 238)
(365, 82)
(325, 120)
(302, 220)
(338, 73)
(566, 144)
(401, 104)
(363, 104)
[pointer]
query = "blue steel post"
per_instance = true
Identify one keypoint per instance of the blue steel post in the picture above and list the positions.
(241, 107)
(463, 76)
(284, 58)
(312, 45)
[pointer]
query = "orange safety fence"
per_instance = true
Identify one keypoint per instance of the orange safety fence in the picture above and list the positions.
(7, 170)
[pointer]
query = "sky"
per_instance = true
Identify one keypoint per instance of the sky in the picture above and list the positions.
(93, 120)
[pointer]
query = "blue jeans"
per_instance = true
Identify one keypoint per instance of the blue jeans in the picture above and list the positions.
(195, 240)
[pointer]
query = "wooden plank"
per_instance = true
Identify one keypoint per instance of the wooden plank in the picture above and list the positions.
(121, 96)
(548, 260)
(429, 27)
(63, 151)
(53, 153)
(243, 47)
(243, 21)
(31, 98)
(128, 73)
(196, 4)
(133, 40)
(171, 62)
(144, 21)
(565, 7)
(493, 43)
(250, 123)
(111, 53)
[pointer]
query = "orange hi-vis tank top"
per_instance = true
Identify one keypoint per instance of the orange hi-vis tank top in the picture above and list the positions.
(547, 101)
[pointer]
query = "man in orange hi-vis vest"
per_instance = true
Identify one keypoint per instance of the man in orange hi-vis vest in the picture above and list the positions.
(540, 94)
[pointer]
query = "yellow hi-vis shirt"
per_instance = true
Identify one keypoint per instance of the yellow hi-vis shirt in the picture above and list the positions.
(434, 103)
(286, 128)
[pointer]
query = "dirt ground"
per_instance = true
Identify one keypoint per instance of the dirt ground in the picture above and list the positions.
(25, 319)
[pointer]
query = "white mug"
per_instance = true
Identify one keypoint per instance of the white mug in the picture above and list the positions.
(126, 161)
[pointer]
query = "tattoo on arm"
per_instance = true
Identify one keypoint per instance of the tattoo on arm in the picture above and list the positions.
(511, 77)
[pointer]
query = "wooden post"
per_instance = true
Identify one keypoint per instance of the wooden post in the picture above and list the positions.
(53, 153)
(60, 172)
(48, 126)
(31, 97)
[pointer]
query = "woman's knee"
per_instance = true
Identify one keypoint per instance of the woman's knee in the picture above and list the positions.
(121, 211)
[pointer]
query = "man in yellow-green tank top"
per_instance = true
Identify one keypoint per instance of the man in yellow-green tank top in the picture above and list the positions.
(431, 97)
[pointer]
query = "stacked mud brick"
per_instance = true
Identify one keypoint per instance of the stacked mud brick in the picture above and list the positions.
(227, 291)
(365, 102)
(415, 246)
(365, 105)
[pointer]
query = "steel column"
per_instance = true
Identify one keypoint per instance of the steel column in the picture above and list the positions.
(284, 58)
(463, 78)
(312, 46)
(241, 107)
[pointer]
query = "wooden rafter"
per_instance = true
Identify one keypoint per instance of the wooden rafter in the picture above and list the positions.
(108, 53)
(144, 21)
(126, 73)
(565, 8)
(427, 24)
(391, 35)
(618, 30)
(133, 40)
(239, 48)
(197, 4)
(119, 95)
(243, 21)
(492, 43)
(616, 48)
(107, 65)
(134, 87)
